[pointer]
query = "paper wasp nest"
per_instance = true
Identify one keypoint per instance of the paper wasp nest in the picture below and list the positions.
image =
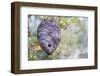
(49, 36)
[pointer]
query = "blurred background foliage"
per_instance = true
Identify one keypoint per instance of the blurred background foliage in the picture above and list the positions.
(73, 38)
